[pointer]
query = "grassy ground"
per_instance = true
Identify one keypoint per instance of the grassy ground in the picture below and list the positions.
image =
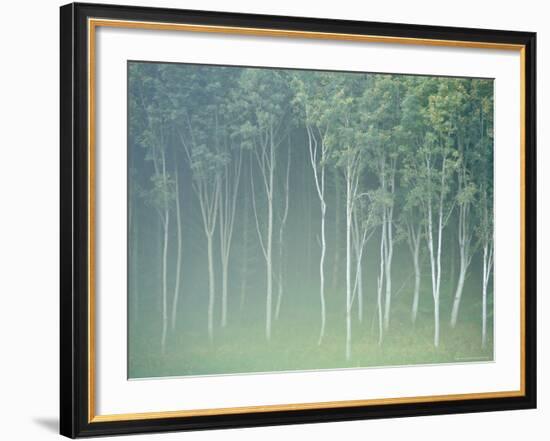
(242, 348)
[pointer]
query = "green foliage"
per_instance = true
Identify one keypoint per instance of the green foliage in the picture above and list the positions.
(408, 144)
(261, 105)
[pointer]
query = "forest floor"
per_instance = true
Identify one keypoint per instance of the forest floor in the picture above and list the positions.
(241, 347)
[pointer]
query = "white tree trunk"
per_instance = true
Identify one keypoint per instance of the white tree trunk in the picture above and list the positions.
(229, 187)
(318, 166)
(416, 294)
(358, 239)
(225, 266)
(179, 252)
(280, 287)
(438, 283)
(464, 238)
(322, 272)
(458, 293)
(380, 284)
(487, 267)
(164, 281)
(348, 262)
(435, 255)
(244, 269)
(435, 266)
(388, 262)
(280, 284)
(360, 289)
(337, 230)
(269, 296)
(386, 175)
(208, 189)
(436, 322)
(439, 247)
(134, 229)
(166, 225)
(282, 265)
(484, 301)
(266, 162)
(211, 287)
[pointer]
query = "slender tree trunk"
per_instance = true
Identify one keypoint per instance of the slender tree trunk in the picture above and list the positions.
(282, 265)
(360, 289)
(269, 296)
(179, 252)
(337, 232)
(380, 284)
(434, 273)
(436, 322)
(244, 268)
(487, 267)
(358, 239)
(280, 288)
(227, 204)
(322, 268)
(388, 217)
(211, 287)
(452, 270)
(416, 294)
(317, 160)
(484, 301)
(269, 248)
(464, 237)
(134, 229)
(207, 187)
(435, 255)
(438, 289)
(265, 156)
(348, 262)
(166, 218)
(458, 293)
(388, 262)
(164, 281)
(225, 267)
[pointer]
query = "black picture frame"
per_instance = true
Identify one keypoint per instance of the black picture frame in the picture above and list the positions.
(75, 416)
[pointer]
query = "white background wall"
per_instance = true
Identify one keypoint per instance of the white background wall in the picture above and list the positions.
(29, 155)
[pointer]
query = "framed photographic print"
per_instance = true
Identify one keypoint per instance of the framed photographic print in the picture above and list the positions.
(273, 220)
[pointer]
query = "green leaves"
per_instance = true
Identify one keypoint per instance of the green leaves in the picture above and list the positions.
(426, 136)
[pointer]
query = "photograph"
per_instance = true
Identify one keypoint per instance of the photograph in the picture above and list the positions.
(274, 220)
(284, 220)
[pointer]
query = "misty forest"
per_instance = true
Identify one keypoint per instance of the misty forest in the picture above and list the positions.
(283, 219)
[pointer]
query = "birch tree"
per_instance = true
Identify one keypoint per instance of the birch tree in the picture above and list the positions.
(411, 227)
(430, 170)
(283, 216)
(314, 99)
(363, 227)
(263, 129)
(486, 238)
(346, 143)
(469, 138)
(177, 197)
(465, 197)
(203, 134)
(484, 206)
(381, 116)
(135, 194)
(230, 181)
(206, 169)
(152, 101)
(245, 243)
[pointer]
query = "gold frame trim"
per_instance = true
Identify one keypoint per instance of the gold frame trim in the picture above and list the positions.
(92, 25)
